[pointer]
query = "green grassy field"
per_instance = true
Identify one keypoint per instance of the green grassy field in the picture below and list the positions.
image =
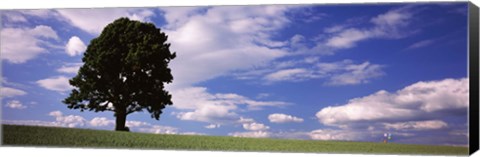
(14, 135)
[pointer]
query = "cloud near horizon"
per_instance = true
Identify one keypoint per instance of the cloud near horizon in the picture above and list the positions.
(422, 106)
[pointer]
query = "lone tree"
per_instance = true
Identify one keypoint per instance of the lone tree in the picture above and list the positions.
(124, 71)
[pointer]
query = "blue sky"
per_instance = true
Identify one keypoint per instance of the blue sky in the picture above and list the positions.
(316, 72)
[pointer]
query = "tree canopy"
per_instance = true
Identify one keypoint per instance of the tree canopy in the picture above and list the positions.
(125, 71)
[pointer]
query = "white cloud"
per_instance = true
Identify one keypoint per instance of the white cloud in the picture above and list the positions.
(348, 73)
(101, 121)
(277, 134)
(391, 24)
(70, 68)
(13, 17)
(210, 113)
(58, 83)
(132, 124)
(215, 41)
(329, 134)
(459, 133)
(94, 20)
(191, 133)
(141, 15)
(55, 113)
(387, 25)
(296, 74)
(15, 104)
(75, 46)
(422, 99)
(214, 108)
(75, 121)
(255, 126)
(347, 38)
(22, 44)
(393, 19)
(70, 121)
(219, 40)
(11, 92)
(254, 134)
(177, 16)
(212, 126)
(344, 72)
(158, 129)
(283, 118)
(420, 44)
(141, 126)
(417, 125)
(42, 13)
(334, 29)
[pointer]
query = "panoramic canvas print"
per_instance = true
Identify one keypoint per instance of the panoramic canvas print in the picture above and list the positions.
(351, 78)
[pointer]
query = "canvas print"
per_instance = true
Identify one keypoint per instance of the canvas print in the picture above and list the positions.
(375, 78)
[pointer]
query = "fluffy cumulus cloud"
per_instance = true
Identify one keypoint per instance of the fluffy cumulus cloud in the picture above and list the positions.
(75, 46)
(11, 92)
(198, 35)
(76, 121)
(252, 134)
(422, 99)
(283, 118)
(214, 108)
(212, 126)
(408, 112)
(254, 129)
(255, 126)
(215, 41)
(94, 20)
(210, 113)
(15, 104)
(158, 129)
(58, 83)
(329, 134)
(70, 121)
(101, 121)
(22, 44)
(137, 124)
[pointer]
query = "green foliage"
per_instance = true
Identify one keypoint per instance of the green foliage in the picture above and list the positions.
(67, 137)
(127, 66)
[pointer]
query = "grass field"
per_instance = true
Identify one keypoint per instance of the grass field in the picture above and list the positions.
(14, 135)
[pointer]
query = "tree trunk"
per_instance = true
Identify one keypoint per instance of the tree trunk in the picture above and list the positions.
(121, 117)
